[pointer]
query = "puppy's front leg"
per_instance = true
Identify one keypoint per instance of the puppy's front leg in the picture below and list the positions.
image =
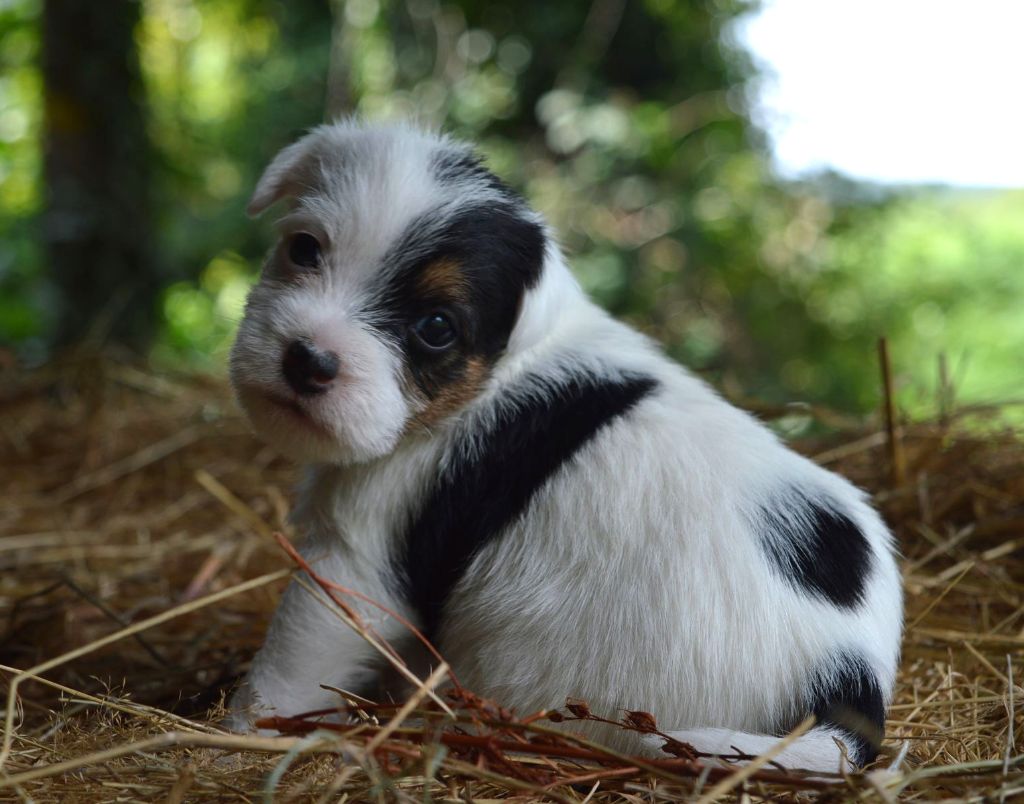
(309, 645)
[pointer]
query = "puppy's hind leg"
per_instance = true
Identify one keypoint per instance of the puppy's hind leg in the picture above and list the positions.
(849, 711)
(817, 750)
(846, 701)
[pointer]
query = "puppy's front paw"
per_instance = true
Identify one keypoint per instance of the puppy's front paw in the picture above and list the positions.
(240, 722)
(245, 709)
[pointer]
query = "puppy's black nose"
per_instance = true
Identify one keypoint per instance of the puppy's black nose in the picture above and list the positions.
(307, 369)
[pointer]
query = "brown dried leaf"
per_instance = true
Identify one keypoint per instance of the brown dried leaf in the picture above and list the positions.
(677, 748)
(577, 707)
(642, 721)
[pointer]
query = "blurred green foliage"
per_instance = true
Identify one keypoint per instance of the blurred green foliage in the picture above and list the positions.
(624, 122)
(22, 298)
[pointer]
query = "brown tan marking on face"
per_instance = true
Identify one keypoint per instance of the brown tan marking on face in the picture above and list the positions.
(454, 395)
(443, 279)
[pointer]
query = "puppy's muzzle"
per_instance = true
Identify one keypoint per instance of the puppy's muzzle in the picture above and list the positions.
(307, 369)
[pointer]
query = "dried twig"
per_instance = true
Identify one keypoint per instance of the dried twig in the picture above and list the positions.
(897, 461)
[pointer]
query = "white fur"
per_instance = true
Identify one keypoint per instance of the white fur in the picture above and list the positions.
(635, 579)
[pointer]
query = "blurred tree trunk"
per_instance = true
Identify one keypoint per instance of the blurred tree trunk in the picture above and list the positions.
(97, 227)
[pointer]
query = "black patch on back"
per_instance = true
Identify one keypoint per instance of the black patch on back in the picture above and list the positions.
(489, 484)
(816, 549)
(846, 697)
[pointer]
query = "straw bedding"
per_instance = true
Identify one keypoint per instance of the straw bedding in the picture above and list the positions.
(139, 566)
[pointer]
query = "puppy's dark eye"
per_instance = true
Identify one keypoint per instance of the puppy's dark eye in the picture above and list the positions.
(435, 331)
(304, 250)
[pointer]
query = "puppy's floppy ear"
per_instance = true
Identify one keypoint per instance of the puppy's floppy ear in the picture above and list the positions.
(286, 176)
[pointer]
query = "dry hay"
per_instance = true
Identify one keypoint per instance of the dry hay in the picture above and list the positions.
(138, 567)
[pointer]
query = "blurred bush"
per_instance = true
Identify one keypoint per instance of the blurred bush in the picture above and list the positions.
(625, 122)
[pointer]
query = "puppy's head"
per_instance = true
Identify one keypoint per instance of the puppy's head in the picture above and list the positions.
(391, 293)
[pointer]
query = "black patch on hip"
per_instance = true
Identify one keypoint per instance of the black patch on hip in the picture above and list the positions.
(489, 482)
(816, 548)
(844, 695)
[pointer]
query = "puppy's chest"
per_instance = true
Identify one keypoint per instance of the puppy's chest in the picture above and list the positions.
(364, 511)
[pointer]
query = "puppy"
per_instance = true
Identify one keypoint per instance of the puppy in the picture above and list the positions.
(559, 507)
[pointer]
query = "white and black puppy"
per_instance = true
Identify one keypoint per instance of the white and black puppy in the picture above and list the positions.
(562, 509)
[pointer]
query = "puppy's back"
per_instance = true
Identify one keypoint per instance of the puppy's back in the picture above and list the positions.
(678, 559)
